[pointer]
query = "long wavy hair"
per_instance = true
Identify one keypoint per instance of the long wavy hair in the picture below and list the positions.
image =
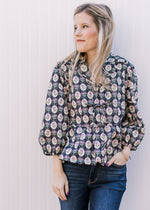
(102, 17)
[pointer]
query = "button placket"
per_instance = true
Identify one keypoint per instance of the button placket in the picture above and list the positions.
(93, 138)
(94, 124)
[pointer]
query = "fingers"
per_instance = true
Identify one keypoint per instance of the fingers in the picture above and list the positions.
(117, 158)
(110, 161)
(62, 194)
(59, 191)
(66, 188)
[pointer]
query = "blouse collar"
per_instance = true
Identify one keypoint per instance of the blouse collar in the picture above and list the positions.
(85, 71)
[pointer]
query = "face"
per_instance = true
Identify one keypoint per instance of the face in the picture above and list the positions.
(85, 33)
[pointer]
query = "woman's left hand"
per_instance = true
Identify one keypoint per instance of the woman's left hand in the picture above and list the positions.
(120, 158)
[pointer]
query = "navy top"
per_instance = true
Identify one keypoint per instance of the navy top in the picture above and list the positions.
(85, 125)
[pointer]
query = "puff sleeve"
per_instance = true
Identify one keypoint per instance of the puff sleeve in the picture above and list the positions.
(132, 125)
(52, 137)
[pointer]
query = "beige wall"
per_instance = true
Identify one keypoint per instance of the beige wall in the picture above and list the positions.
(34, 34)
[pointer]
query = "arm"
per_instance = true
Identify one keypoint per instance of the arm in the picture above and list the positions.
(52, 137)
(133, 128)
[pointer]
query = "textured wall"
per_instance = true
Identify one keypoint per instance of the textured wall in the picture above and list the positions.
(34, 35)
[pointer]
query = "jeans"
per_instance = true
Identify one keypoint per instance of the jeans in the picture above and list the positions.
(94, 187)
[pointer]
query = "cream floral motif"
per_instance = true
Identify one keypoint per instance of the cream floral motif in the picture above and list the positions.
(85, 125)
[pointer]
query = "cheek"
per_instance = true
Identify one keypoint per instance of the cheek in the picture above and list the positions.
(92, 36)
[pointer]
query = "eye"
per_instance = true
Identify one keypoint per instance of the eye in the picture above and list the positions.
(85, 26)
(75, 28)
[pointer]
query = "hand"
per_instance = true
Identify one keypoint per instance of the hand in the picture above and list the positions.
(60, 183)
(120, 158)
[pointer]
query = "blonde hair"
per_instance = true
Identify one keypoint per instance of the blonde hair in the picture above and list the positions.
(102, 17)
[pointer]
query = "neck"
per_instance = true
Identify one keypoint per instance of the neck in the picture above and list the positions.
(90, 56)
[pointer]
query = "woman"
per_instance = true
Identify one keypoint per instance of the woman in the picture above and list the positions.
(91, 120)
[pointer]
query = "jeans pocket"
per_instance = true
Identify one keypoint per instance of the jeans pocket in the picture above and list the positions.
(118, 166)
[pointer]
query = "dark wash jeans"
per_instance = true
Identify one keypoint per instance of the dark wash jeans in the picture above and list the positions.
(94, 187)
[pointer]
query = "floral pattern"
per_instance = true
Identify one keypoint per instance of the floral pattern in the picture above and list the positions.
(87, 125)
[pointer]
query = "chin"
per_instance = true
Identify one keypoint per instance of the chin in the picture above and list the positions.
(81, 50)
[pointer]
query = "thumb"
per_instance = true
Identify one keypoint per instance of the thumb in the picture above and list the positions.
(66, 187)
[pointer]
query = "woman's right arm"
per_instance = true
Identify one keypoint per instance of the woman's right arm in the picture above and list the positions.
(60, 183)
(55, 123)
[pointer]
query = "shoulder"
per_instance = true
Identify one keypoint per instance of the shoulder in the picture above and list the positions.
(64, 65)
(117, 59)
(120, 66)
(126, 67)
(61, 70)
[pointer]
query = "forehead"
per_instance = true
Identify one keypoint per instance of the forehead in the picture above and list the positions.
(83, 17)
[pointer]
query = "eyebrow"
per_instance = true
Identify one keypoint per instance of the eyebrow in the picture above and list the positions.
(83, 24)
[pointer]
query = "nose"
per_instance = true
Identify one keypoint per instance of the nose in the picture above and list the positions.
(78, 32)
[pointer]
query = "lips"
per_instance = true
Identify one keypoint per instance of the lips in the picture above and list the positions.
(80, 40)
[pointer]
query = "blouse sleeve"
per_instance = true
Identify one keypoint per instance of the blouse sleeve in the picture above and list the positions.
(52, 137)
(132, 125)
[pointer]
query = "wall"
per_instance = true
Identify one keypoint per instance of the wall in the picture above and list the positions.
(34, 35)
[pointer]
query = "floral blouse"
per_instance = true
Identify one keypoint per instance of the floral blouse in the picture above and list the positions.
(87, 125)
